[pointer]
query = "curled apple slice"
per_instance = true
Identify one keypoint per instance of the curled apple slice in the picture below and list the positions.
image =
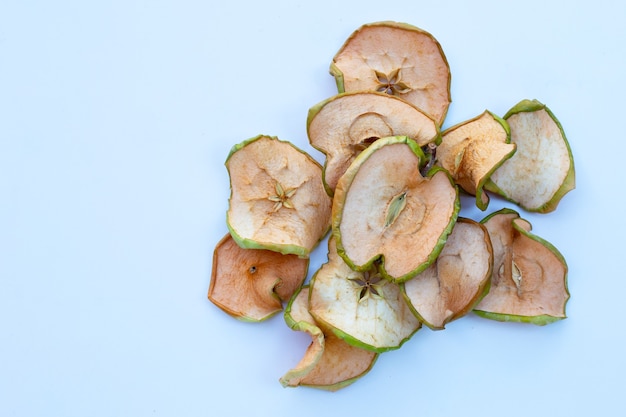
(542, 170)
(385, 210)
(529, 278)
(362, 308)
(343, 125)
(457, 280)
(471, 151)
(278, 201)
(398, 59)
(329, 363)
(251, 284)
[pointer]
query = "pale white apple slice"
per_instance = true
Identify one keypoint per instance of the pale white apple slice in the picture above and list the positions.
(541, 171)
(362, 308)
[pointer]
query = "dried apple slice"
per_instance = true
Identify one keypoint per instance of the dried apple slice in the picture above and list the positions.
(278, 201)
(398, 59)
(542, 170)
(329, 363)
(250, 284)
(343, 125)
(362, 308)
(457, 280)
(471, 151)
(385, 210)
(529, 279)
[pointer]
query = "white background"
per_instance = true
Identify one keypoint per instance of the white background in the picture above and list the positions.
(115, 121)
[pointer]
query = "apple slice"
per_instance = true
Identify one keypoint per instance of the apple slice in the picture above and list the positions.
(278, 201)
(457, 280)
(398, 59)
(362, 308)
(386, 212)
(329, 363)
(542, 170)
(529, 278)
(471, 151)
(343, 125)
(251, 284)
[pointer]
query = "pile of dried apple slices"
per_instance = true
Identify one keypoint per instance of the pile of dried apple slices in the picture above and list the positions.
(387, 200)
